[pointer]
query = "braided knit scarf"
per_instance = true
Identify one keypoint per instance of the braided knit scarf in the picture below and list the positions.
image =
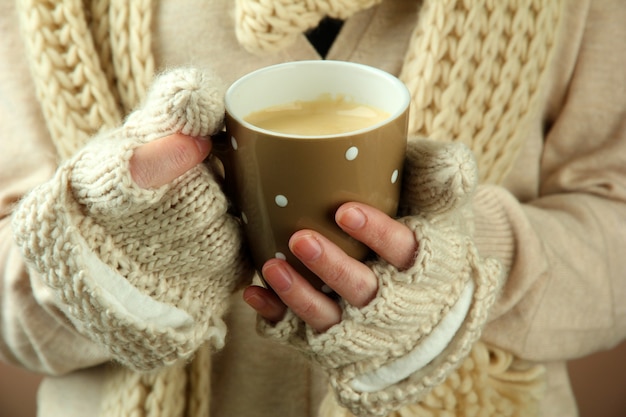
(91, 62)
(474, 68)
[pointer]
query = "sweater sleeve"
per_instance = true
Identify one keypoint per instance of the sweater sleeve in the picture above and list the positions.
(564, 249)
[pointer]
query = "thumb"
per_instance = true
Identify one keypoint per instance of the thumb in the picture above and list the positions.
(161, 161)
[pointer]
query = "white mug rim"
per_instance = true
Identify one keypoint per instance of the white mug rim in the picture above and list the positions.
(399, 85)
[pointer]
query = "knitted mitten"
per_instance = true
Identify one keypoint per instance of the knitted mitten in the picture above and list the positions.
(146, 273)
(423, 320)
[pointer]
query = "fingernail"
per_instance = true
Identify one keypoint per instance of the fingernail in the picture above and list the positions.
(278, 277)
(203, 145)
(306, 248)
(256, 302)
(352, 219)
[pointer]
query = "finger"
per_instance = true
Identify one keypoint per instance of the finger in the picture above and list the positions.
(312, 306)
(160, 162)
(349, 278)
(390, 239)
(265, 302)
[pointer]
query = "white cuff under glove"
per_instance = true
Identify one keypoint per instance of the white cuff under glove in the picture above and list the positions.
(146, 273)
(423, 320)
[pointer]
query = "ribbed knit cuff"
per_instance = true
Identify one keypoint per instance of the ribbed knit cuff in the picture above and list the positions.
(493, 234)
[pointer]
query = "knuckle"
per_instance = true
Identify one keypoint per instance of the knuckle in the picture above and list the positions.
(181, 156)
(366, 286)
(364, 290)
(140, 172)
(306, 309)
(383, 235)
(353, 281)
(336, 273)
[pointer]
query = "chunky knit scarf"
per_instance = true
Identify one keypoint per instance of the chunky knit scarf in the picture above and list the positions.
(474, 68)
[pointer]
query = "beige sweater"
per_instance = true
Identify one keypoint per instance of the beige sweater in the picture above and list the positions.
(560, 237)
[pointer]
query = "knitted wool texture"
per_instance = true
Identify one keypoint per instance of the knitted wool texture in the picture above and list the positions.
(489, 383)
(175, 244)
(85, 74)
(269, 26)
(76, 88)
(474, 71)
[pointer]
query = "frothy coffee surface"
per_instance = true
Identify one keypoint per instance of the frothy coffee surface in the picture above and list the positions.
(325, 116)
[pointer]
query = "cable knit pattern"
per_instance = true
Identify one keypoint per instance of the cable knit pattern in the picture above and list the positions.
(176, 391)
(175, 244)
(99, 23)
(131, 45)
(148, 394)
(89, 68)
(410, 303)
(474, 70)
(490, 382)
(268, 26)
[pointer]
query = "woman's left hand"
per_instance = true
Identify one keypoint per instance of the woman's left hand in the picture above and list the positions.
(349, 278)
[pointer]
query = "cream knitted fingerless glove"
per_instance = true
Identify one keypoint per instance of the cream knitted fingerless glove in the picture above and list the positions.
(423, 320)
(145, 273)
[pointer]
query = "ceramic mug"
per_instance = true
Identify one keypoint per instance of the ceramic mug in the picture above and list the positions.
(281, 183)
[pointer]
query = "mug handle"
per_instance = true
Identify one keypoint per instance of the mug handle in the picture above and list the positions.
(222, 151)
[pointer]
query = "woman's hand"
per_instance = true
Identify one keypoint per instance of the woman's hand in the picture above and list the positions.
(403, 327)
(349, 278)
(143, 229)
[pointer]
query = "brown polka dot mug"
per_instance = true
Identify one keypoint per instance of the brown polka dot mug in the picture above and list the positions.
(284, 182)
